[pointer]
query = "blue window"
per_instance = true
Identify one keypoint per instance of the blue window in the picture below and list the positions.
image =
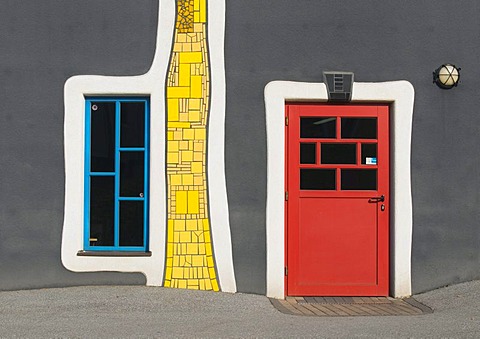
(116, 174)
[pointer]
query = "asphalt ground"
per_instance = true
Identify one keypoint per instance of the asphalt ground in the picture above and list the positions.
(147, 312)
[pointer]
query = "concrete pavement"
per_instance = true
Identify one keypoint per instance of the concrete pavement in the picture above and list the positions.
(145, 312)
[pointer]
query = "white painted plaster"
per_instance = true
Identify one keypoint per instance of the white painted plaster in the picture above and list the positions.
(150, 84)
(401, 96)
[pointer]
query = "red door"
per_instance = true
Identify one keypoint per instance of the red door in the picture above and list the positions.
(337, 165)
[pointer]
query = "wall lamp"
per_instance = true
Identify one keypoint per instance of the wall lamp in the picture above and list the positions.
(446, 76)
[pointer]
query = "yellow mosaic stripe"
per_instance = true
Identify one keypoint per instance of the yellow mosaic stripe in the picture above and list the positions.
(190, 261)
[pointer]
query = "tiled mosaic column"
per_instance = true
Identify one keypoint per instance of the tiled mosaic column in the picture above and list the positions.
(189, 260)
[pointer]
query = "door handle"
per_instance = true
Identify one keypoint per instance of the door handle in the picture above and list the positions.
(377, 199)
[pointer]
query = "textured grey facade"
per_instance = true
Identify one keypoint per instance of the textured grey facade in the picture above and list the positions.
(45, 42)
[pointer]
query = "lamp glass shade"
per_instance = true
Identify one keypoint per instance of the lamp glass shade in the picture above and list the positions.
(448, 75)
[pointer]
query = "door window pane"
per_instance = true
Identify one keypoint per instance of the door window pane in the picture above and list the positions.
(102, 139)
(308, 153)
(369, 154)
(131, 174)
(102, 210)
(132, 124)
(359, 179)
(131, 223)
(318, 127)
(317, 179)
(359, 128)
(339, 154)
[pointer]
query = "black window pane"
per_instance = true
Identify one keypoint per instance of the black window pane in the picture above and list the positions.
(132, 129)
(359, 128)
(102, 140)
(308, 153)
(317, 179)
(354, 179)
(131, 174)
(369, 154)
(318, 127)
(131, 223)
(102, 209)
(339, 153)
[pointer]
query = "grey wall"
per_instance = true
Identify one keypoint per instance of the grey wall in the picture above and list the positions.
(42, 43)
(379, 41)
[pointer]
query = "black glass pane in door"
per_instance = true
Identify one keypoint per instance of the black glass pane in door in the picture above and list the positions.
(308, 153)
(369, 154)
(317, 179)
(359, 128)
(339, 153)
(102, 137)
(102, 210)
(132, 118)
(132, 174)
(131, 223)
(359, 179)
(318, 127)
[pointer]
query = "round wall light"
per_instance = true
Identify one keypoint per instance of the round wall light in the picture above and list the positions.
(446, 76)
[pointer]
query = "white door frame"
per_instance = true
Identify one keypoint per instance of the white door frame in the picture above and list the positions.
(400, 95)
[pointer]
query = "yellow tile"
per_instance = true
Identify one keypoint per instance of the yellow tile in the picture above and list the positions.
(206, 226)
(175, 179)
(196, 46)
(192, 248)
(211, 271)
(183, 145)
(170, 234)
(199, 271)
(187, 156)
(179, 225)
(193, 205)
(187, 179)
(192, 282)
(197, 27)
(203, 11)
(191, 225)
(197, 167)
(186, 272)
(172, 146)
(196, 86)
(177, 273)
(170, 135)
(198, 180)
(198, 146)
(184, 74)
(200, 134)
(168, 272)
(176, 237)
(177, 135)
(182, 258)
(215, 285)
(181, 37)
(202, 284)
(194, 104)
(172, 109)
(178, 92)
(185, 237)
(167, 283)
(178, 125)
(208, 284)
(188, 134)
(170, 248)
(181, 202)
(210, 264)
(169, 262)
(194, 116)
(198, 156)
(182, 284)
(201, 246)
(197, 260)
(190, 58)
(172, 158)
(184, 117)
(196, 5)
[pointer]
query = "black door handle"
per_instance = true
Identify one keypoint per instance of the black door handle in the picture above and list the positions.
(377, 199)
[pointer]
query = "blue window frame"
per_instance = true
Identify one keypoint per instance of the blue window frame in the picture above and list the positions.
(116, 174)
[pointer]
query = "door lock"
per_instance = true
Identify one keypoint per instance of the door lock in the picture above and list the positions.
(377, 199)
